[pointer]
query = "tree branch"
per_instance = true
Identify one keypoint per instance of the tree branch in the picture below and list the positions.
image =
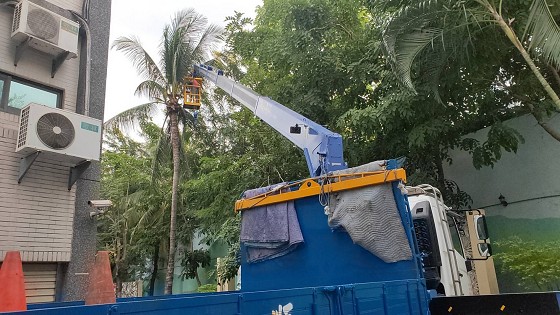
(551, 131)
(555, 74)
(509, 32)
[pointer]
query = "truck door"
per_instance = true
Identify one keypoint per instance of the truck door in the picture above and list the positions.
(481, 256)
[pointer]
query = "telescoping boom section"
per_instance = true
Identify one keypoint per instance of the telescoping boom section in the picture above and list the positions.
(322, 148)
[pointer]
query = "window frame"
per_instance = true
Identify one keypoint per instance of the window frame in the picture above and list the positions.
(454, 233)
(8, 79)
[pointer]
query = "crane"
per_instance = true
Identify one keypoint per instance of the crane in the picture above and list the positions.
(321, 147)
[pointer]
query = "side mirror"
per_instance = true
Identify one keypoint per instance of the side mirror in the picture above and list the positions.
(484, 250)
(481, 228)
(479, 237)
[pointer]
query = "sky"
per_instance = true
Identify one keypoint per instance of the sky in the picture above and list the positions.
(146, 20)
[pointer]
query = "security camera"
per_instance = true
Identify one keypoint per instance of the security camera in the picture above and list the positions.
(100, 203)
(100, 206)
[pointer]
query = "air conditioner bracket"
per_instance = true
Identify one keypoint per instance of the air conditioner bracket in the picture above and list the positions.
(20, 49)
(58, 61)
(77, 171)
(25, 163)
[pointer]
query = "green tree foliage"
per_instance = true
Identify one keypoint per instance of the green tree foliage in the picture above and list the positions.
(131, 229)
(323, 59)
(535, 264)
(187, 40)
(504, 52)
(207, 288)
(140, 187)
(192, 260)
(337, 63)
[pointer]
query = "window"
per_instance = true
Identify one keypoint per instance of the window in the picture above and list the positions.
(3, 93)
(455, 236)
(16, 93)
(481, 231)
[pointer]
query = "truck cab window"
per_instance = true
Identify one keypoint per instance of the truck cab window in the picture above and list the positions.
(454, 231)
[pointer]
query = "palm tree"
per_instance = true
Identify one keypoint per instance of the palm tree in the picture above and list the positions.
(187, 40)
(439, 29)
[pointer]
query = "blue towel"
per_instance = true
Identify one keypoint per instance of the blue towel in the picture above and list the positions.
(269, 231)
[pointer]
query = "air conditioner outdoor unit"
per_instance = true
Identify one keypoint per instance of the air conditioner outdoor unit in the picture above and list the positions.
(73, 136)
(47, 31)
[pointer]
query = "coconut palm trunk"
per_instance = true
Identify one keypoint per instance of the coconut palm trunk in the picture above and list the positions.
(173, 119)
(510, 33)
(187, 40)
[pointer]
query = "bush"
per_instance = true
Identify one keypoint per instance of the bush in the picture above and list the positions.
(535, 264)
(210, 287)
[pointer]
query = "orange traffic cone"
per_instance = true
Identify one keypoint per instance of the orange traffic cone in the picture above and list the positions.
(12, 285)
(101, 289)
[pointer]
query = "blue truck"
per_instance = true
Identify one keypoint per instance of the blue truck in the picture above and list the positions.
(355, 241)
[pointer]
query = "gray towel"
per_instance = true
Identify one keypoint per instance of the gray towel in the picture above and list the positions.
(269, 231)
(370, 167)
(371, 217)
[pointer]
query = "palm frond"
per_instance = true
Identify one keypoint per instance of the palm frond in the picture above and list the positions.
(543, 33)
(175, 56)
(208, 41)
(144, 64)
(186, 41)
(435, 29)
(132, 117)
(179, 66)
(404, 49)
(189, 123)
(153, 213)
(150, 89)
(432, 71)
(175, 43)
(187, 118)
(183, 160)
(189, 20)
(162, 152)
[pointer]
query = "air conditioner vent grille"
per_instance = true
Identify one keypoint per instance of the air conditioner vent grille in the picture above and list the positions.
(17, 17)
(43, 24)
(55, 131)
(60, 134)
(43, 29)
(23, 124)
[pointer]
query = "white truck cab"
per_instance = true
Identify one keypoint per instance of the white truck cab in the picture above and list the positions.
(437, 235)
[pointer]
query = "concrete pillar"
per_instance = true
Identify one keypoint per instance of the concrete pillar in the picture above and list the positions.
(74, 281)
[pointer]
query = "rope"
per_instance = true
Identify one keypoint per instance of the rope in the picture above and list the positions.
(323, 179)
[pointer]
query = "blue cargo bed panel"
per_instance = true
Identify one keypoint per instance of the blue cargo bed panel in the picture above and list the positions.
(391, 298)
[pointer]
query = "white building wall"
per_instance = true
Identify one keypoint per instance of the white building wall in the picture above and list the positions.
(530, 183)
(529, 179)
(35, 216)
(74, 5)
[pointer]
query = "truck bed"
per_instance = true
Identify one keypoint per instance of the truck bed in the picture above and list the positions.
(392, 298)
